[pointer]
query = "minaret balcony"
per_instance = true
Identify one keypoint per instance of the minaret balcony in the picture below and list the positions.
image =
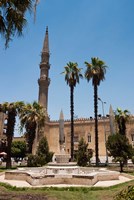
(44, 81)
(45, 65)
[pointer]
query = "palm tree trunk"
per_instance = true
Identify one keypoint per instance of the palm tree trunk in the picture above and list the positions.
(72, 120)
(38, 136)
(35, 142)
(31, 132)
(10, 132)
(8, 159)
(96, 123)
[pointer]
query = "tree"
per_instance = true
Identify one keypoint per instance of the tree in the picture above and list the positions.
(43, 151)
(11, 110)
(72, 76)
(96, 72)
(83, 154)
(43, 155)
(18, 149)
(122, 117)
(119, 147)
(32, 118)
(12, 17)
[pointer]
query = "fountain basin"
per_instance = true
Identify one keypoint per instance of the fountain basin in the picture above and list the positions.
(61, 175)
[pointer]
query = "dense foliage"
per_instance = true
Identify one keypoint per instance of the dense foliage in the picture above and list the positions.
(119, 147)
(83, 155)
(32, 119)
(13, 17)
(18, 149)
(126, 194)
(122, 117)
(43, 155)
(29, 114)
(43, 151)
(10, 110)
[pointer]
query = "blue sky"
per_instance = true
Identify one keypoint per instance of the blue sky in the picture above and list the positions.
(78, 30)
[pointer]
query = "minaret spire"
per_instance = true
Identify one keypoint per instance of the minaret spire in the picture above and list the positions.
(46, 42)
(44, 79)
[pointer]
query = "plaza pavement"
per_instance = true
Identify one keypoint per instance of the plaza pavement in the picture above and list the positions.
(20, 183)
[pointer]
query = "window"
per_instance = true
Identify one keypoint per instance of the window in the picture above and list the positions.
(76, 138)
(89, 137)
(132, 137)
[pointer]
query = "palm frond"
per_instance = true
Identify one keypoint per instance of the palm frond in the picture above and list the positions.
(95, 71)
(72, 73)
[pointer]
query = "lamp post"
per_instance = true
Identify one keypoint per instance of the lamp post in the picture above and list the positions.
(103, 102)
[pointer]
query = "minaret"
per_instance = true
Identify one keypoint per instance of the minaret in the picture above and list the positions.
(44, 79)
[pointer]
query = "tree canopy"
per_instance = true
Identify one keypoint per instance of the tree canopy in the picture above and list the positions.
(83, 154)
(32, 118)
(43, 155)
(118, 146)
(13, 17)
(72, 74)
(11, 110)
(122, 117)
(18, 149)
(95, 71)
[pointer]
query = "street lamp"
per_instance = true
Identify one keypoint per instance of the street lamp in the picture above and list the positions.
(103, 102)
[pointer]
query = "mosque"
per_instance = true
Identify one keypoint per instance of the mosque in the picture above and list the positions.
(58, 132)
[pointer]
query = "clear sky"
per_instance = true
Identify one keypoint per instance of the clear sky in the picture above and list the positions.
(78, 30)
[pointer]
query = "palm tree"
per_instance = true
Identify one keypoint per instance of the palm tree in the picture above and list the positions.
(72, 76)
(32, 118)
(12, 17)
(122, 117)
(11, 110)
(96, 72)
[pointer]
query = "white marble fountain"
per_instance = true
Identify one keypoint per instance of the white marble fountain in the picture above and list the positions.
(62, 172)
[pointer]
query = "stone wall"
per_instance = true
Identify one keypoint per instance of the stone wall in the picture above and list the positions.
(83, 128)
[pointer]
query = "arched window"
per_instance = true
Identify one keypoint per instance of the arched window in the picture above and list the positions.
(89, 137)
(76, 138)
(132, 137)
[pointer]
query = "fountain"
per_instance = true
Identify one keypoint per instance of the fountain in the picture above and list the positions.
(59, 175)
(62, 172)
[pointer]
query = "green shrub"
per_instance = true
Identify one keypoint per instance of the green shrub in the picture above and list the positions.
(43, 155)
(43, 151)
(18, 149)
(83, 155)
(36, 161)
(32, 160)
(126, 194)
(119, 147)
